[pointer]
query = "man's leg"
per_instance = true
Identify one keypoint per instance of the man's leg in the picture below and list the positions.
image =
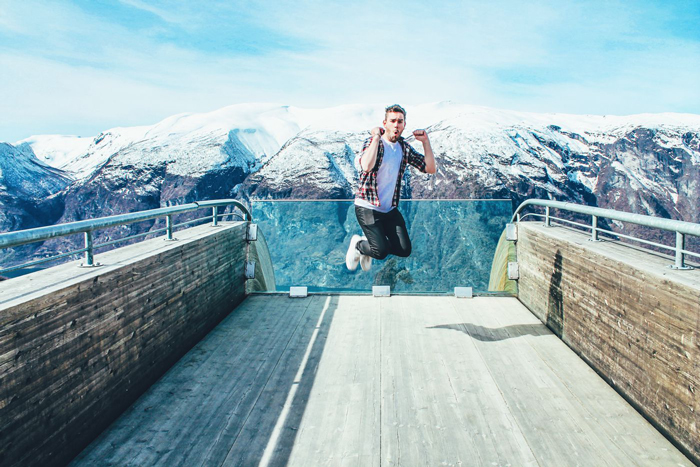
(376, 244)
(397, 234)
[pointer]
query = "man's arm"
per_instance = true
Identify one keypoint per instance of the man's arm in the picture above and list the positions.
(369, 155)
(422, 136)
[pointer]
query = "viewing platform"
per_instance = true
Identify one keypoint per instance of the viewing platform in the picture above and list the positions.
(191, 351)
(358, 380)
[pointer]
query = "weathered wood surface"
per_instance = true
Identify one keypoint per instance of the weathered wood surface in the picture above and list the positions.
(635, 320)
(357, 380)
(78, 346)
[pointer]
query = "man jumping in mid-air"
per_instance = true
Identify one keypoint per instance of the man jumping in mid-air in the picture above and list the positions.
(383, 161)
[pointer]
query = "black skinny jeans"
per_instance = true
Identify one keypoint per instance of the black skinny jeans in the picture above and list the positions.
(386, 233)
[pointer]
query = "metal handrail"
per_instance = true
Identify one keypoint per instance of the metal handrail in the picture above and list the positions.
(681, 228)
(409, 200)
(87, 227)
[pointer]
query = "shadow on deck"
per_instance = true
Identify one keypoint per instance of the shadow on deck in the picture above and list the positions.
(356, 380)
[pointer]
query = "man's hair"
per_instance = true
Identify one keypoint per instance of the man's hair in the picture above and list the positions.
(395, 108)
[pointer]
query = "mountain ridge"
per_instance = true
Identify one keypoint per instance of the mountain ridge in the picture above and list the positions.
(646, 163)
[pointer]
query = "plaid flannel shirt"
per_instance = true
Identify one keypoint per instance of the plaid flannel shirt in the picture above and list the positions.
(368, 180)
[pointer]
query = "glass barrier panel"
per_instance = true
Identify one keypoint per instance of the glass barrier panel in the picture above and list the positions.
(453, 245)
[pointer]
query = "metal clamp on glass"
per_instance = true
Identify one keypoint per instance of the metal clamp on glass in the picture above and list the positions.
(251, 233)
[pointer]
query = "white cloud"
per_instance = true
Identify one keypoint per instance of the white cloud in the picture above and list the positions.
(62, 64)
(163, 13)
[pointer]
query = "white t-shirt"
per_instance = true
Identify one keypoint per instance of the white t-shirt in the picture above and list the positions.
(386, 177)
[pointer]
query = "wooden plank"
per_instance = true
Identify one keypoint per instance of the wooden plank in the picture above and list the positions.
(607, 414)
(440, 405)
(340, 424)
(248, 440)
(533, 400)
(390, 381)
(197, 409)
(561, 405)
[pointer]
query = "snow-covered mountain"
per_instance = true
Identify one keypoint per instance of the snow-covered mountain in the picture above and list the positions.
(25, 182)
(193, 144)
(24, 176)
(648, 164)
(643, 163)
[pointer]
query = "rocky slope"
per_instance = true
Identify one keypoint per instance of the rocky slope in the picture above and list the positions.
(27, 194)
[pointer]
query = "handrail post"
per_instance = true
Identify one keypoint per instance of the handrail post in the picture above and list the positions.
(680, 256)
(215, 220)
(169, 226)
(547, 222)
(89, 260)
(594, 230)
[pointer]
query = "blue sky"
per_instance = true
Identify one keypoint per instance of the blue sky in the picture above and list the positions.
(79, 67)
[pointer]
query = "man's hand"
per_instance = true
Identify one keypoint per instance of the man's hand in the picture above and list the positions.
(421, 135)
(377, 131)
(369, 155)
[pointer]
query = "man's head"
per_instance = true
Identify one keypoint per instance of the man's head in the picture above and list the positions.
(394, 122)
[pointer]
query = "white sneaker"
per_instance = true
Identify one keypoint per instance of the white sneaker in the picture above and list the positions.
(365, 261)
(352, 258)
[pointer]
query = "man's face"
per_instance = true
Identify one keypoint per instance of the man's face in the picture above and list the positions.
(394, 123)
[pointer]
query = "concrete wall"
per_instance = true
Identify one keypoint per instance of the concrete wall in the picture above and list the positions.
(630, 316)
(264, 280)
(78, 346)
(498, 278)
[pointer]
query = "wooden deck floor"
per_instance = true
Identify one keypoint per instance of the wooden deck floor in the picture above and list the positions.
(357, 380)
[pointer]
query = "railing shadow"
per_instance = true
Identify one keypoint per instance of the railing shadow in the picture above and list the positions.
(486, 334)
